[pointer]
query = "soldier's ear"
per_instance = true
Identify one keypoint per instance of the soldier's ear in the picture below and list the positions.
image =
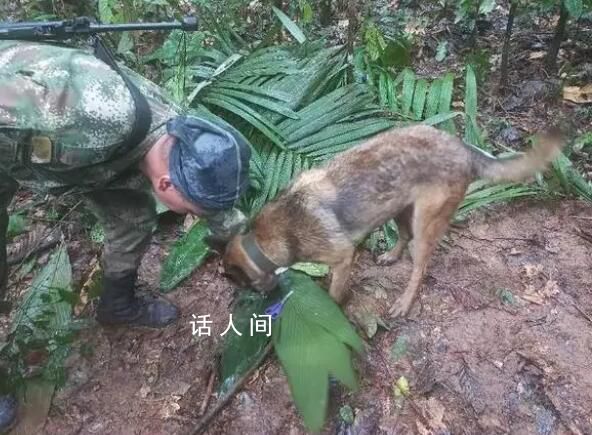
(216, 244)
(164, 183)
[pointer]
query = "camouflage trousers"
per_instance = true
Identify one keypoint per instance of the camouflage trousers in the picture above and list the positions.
(128, 218)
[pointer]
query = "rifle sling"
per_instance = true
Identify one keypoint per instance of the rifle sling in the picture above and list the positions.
(143, 116)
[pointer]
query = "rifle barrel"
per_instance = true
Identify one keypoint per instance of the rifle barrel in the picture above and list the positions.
(33, 29)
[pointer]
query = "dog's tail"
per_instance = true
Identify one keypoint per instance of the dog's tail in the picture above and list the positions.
(521, 167)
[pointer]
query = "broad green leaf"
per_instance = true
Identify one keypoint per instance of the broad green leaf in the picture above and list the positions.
(311, 339)
(240, 352)
(187, 254)
(290, 25)
(391, 94)
(318, 307)
(433, 100)
(408, 88)
(312, 269)
(247, 113)
(383, 92)
(446, 93)
(300, 347)
(571, 180)
(249, 98)
(55, 276)
(45, 316)
(446, 99)
(471, 93)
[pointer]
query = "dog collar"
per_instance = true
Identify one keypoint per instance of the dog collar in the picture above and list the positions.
(257, 256)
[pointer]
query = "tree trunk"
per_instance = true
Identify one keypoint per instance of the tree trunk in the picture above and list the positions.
(325, 13)
(551, 60)
(506, 48)
(473, 41)
(352, 30)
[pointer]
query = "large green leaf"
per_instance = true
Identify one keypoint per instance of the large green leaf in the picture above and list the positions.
(45, 316)
(290, 25)
(570, 179)
(433, 99)
(408, 76)
(188, 253)
(241, 352)
(318, 307)
(53, 282)
(301, 347)
(312, 339)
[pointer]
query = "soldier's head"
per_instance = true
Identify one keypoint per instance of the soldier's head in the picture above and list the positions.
(198, 167)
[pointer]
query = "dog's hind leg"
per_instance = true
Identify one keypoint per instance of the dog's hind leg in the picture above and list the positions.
(403, 220)
(431, 218)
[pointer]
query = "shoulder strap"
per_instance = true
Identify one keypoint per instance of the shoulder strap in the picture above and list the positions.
(143, 118)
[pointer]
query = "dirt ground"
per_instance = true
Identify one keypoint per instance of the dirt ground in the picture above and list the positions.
(500, 341)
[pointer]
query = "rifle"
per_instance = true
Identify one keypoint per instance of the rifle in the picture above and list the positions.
(65, 29)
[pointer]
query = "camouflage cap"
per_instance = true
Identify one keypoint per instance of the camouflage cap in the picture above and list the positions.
(208, 164)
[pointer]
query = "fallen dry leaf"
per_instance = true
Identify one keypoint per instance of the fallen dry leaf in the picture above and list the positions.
(533, 270)
(537, 55)
(551, 288)
(577, 94)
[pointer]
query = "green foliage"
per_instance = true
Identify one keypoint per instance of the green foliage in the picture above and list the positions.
(570, 180)
(187, 254)
(241, 352)
(574, 7)
(467, 11)
(43, 324)
(312, 269)
(97, 234)
(290, 25)
(17, 224)
(481, 194)
(312, 340)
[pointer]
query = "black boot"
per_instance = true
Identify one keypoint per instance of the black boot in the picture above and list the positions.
(120, 306)
(8, 411)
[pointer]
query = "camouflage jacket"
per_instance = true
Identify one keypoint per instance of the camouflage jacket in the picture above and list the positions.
(64, 115)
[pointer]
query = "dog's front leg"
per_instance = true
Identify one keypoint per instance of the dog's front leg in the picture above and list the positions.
(339, 275)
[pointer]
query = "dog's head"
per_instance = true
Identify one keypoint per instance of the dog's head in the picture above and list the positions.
(246, 265)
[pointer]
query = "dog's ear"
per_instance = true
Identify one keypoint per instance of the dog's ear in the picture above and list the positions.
(216, 244)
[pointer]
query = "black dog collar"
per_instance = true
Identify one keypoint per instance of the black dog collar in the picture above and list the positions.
(257, 256)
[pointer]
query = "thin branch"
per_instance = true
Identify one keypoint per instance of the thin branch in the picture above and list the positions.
(201, 425)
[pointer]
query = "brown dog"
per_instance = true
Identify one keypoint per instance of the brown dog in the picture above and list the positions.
(417, 175)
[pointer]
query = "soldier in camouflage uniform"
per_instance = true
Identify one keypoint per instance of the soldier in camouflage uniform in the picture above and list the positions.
(65, 121)
(64, 115)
